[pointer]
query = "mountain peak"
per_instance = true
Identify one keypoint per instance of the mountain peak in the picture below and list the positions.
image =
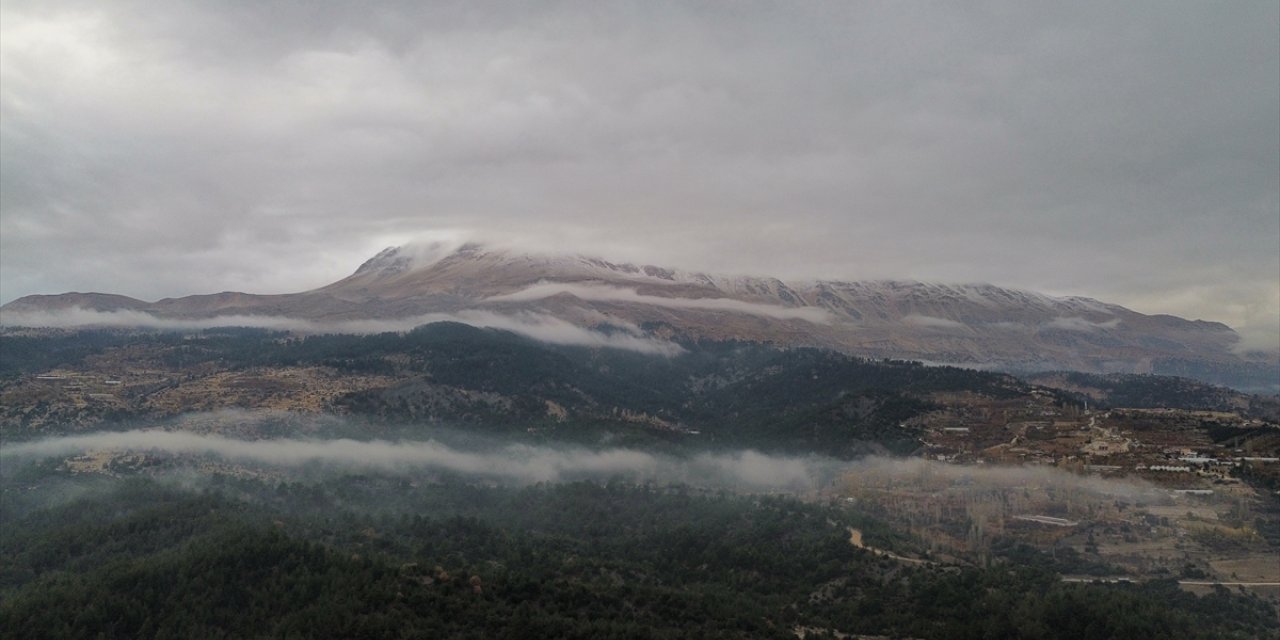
(417, 255)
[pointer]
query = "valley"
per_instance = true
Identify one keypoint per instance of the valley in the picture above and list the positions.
(992, 469)
(639, 320)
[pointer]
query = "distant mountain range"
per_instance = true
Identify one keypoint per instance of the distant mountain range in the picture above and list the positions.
(976, 325)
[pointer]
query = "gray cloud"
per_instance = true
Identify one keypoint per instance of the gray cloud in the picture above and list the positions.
(1128, 152)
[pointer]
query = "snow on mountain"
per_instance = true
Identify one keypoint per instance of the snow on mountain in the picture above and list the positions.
(970, 324)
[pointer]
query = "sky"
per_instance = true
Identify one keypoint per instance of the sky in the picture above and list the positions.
(1128, 152)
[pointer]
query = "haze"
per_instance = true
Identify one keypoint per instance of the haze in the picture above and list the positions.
(1128, 152)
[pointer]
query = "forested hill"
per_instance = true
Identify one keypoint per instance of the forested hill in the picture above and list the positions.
(714, 393)
(1155, 391)
(711, 394)
(247, 559)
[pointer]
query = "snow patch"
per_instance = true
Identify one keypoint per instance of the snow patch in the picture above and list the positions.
(411, 256)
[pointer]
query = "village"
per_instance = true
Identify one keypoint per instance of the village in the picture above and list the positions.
(1172, 448)
(1118, 494)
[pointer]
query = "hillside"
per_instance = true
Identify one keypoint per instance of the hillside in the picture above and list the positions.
(712, 395)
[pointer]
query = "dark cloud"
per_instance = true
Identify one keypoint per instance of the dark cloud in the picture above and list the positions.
(1125, 151)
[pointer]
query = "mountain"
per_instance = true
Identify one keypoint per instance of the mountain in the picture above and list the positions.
(977, 325)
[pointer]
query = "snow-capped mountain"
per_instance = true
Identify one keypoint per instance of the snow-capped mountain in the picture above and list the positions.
(969, 324)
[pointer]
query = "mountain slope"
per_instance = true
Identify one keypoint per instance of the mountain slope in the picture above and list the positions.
(973, 324)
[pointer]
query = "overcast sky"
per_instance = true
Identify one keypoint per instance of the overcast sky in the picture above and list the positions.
(1124, 151)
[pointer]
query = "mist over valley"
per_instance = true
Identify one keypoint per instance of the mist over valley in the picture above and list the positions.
(428, 463)
(632, 320)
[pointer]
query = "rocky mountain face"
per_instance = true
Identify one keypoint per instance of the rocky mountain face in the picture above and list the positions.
(976, 325)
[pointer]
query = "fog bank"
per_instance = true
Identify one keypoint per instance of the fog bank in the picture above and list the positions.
(512, 462)
(606, 293)
(524, 463)
(537, 326)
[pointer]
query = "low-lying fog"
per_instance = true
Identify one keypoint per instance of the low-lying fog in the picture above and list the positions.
(524, 463)
(537, 326)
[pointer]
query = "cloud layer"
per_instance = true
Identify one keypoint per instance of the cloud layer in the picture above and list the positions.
(537, 326)
(606, 293)
(1123, 151)
(521, 463)
(749, 470)
(920, 320)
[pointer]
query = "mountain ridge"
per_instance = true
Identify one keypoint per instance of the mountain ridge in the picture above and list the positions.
(978, 325)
